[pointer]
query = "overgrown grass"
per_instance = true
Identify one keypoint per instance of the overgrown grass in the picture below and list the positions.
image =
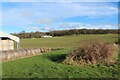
(93, 52)
(47, 66)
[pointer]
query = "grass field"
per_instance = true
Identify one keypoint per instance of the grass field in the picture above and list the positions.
(66, 41)
(49, 65)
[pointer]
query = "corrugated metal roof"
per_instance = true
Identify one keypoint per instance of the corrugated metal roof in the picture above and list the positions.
(3, 34)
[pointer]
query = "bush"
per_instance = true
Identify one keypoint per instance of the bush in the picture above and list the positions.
(92, 52)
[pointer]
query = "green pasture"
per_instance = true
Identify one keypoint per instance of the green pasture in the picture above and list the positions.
(49, 64)
(65, 41)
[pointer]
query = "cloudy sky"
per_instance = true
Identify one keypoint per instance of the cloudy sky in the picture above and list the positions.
(48, 16)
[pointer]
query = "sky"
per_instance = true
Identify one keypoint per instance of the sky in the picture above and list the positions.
(49, 16)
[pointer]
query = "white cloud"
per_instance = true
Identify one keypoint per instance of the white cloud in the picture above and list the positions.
(49, 28)
(77, 25)
(72, 25)
(38, 28)
(44, 21)
(27, 14)
(67, 26)
(33, 28)
(62, 10)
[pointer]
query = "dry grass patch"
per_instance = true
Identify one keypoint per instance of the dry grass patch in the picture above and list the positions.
(93, 52)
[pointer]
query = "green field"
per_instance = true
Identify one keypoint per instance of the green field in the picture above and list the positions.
(65, 41)
(49, 64)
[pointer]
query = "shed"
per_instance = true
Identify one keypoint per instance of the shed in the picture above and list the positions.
(46, 36)
(8, 41)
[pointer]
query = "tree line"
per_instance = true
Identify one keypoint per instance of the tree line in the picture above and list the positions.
(37, 34)
(24, 34)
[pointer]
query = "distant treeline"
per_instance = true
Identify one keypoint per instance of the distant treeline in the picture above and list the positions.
(24, 34)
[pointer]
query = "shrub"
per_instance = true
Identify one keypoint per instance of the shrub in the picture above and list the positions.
(92, 52)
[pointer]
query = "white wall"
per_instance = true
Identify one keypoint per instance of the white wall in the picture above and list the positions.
(6, 45)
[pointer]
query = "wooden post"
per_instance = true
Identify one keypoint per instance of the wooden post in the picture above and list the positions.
(17, 45)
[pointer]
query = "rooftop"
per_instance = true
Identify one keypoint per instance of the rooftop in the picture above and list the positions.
(7, 35)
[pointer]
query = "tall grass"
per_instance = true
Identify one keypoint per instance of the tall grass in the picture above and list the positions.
(93, 52)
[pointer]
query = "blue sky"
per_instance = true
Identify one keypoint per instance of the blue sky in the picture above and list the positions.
(48, 16)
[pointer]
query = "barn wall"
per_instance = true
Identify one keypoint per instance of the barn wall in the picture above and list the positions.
(6, 45)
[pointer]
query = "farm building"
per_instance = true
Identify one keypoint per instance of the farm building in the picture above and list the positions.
(8, 41)
(46, 36)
